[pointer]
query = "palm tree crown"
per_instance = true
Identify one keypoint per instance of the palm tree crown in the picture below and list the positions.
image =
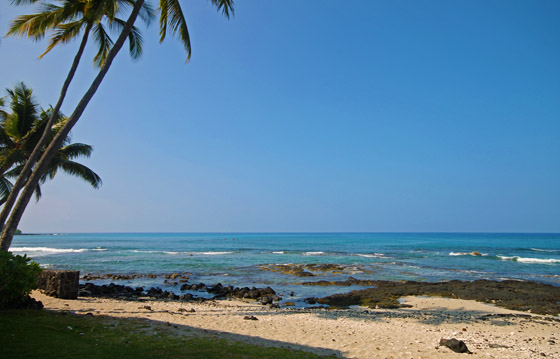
(66, 19)
(171, 15)
(21, 128)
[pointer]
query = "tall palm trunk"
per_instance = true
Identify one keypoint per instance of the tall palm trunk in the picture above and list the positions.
(26, 171)
(17, 212)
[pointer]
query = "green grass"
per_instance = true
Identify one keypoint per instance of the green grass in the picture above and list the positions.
(44, 334)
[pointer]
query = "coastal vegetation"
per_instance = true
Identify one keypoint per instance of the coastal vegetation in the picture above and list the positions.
(18, 277)
(41, 334)
(65, 20)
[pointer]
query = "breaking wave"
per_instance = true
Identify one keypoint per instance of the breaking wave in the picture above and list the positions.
(529, 260)
(46, 250)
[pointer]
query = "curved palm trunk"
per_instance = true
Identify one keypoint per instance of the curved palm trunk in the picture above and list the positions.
(26, 171)
(17, 212)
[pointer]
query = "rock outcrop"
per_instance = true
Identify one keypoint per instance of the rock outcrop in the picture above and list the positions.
(59, 283)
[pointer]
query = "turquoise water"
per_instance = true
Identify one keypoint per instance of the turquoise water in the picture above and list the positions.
(233, 258)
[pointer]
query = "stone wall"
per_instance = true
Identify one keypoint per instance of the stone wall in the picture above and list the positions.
(59, 283)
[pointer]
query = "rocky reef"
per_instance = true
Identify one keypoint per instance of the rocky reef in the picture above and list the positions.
(312, 269)
(263, 295)
(535, 297)
(343, 283)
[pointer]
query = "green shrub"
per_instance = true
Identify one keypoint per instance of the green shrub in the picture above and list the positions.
(18, 276)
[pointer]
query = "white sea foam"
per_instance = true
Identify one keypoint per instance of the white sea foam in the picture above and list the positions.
(475, 254)
(278, 252)
(529, 260)
(46, 250)
(313, 253)
(100, 249)
(544, 250)
(371, 255)
(171, 252)
(215, 253)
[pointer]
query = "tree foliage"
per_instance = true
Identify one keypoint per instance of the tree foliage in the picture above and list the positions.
(20, 130)
(18, 277)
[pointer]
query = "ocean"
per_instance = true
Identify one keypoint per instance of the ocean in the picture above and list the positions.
(238, 258)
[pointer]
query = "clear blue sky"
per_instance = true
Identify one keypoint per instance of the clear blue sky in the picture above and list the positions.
(316, 115)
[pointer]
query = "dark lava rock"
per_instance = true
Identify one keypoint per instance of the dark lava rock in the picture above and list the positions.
(345, 283)
(250, 317)
(266, 296)
(539, 298)
(458, 346)
(310, 270)
(266, 300)
(59, 283)
(310, 300)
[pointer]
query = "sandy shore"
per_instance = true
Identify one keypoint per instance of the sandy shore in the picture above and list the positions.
(488, 331)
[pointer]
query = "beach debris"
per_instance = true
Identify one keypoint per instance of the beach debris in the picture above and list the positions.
(289, 304)
(147, 307)
(458, 346)
(250, 317)
(69, 327)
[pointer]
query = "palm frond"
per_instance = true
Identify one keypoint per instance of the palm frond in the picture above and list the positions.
(95, 10)
(11, 127)
(63, 34)
(38, 193)
(35, 25)
(105, 43)
(225, 5)
(5, 187)
(147, 12)
(171, 15)
(23, 111)
(22, 2)
(5, 140)
(135, 40)
(75, 150)
(78, 170)
(10, 157)
(3, 113)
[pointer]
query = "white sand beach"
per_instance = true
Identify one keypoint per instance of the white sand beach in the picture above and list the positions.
(414, 332)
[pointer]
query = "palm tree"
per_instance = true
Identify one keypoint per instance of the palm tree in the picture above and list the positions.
(19, 132)
(66, 21)
(171, 15)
